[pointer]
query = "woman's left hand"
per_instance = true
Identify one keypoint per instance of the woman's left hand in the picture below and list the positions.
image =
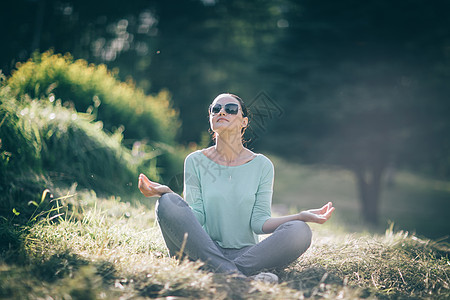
(320, 215)
(150, 188)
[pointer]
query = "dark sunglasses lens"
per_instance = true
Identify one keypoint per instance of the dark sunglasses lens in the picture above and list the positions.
(232, 108)
(216, 108)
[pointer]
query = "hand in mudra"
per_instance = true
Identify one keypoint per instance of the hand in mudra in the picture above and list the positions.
(320, 215)
(151, 189)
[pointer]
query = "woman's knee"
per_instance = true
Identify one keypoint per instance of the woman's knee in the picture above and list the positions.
(167, 204)
(299, 234)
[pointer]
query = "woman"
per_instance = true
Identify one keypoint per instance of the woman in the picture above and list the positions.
(227, 199)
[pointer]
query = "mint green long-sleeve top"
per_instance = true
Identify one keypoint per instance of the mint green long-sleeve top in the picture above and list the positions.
(231, 203)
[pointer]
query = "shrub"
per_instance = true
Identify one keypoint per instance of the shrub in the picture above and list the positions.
(46, 145)
(20, 163)
(47, 142)
(95, 89)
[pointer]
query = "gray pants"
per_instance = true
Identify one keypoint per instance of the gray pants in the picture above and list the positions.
(283, 246)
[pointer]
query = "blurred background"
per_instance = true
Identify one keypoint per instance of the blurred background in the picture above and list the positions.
(350, 99)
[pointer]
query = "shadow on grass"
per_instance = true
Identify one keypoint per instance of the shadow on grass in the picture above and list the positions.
(65, 264)
(62, 273)
(311, 280)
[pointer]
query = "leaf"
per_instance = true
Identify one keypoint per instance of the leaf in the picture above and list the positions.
(44, 194)
(55, 216)
(33, 202)
(16, 212)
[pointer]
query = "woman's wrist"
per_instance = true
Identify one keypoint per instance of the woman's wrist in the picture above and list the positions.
(305, 216)
(166, 190)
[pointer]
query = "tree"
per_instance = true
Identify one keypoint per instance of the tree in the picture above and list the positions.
(363, 92)
(95, 31)
(206, 50)
(362, 84)
(193, 49)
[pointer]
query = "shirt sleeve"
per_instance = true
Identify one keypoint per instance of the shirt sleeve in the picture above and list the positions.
(192, 191)
(261, 209)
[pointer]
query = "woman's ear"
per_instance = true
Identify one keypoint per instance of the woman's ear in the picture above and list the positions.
(244, 122)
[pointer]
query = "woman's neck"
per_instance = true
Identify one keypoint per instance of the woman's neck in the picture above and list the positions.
(229, 147)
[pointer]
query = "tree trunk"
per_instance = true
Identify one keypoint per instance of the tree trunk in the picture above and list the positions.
(369, 186)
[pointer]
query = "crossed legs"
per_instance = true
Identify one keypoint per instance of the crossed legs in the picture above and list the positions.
(175, 218)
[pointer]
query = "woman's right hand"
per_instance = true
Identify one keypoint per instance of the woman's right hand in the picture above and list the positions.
(320, 215)
(152, 189)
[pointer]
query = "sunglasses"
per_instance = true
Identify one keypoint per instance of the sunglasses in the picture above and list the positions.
(230, 108)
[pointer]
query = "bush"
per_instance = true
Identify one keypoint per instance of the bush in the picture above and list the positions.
(75, 148)
(19, 147)
(95, 89)
(46, 145)
(20, 160)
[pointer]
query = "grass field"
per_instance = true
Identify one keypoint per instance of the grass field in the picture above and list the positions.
(411, 202)
(112, 249)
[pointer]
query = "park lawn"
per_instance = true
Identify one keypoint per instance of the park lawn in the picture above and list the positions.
(412, 202)
(111, 249)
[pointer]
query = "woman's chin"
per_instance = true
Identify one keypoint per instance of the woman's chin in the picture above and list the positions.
(225, 130)
(220, 126)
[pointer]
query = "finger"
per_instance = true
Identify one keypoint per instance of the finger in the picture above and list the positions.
(324, 208)
(329, 205)
(145, 178)
(140, 183)
(316, 211)
(147, 187)
(320, 211)
(143, 183)
(328, 213)
(143, 188)
(148, 181)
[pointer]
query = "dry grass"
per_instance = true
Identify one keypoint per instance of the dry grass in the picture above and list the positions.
(110, 249)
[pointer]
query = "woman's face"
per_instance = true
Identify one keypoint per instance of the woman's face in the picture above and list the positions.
(223, 121)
